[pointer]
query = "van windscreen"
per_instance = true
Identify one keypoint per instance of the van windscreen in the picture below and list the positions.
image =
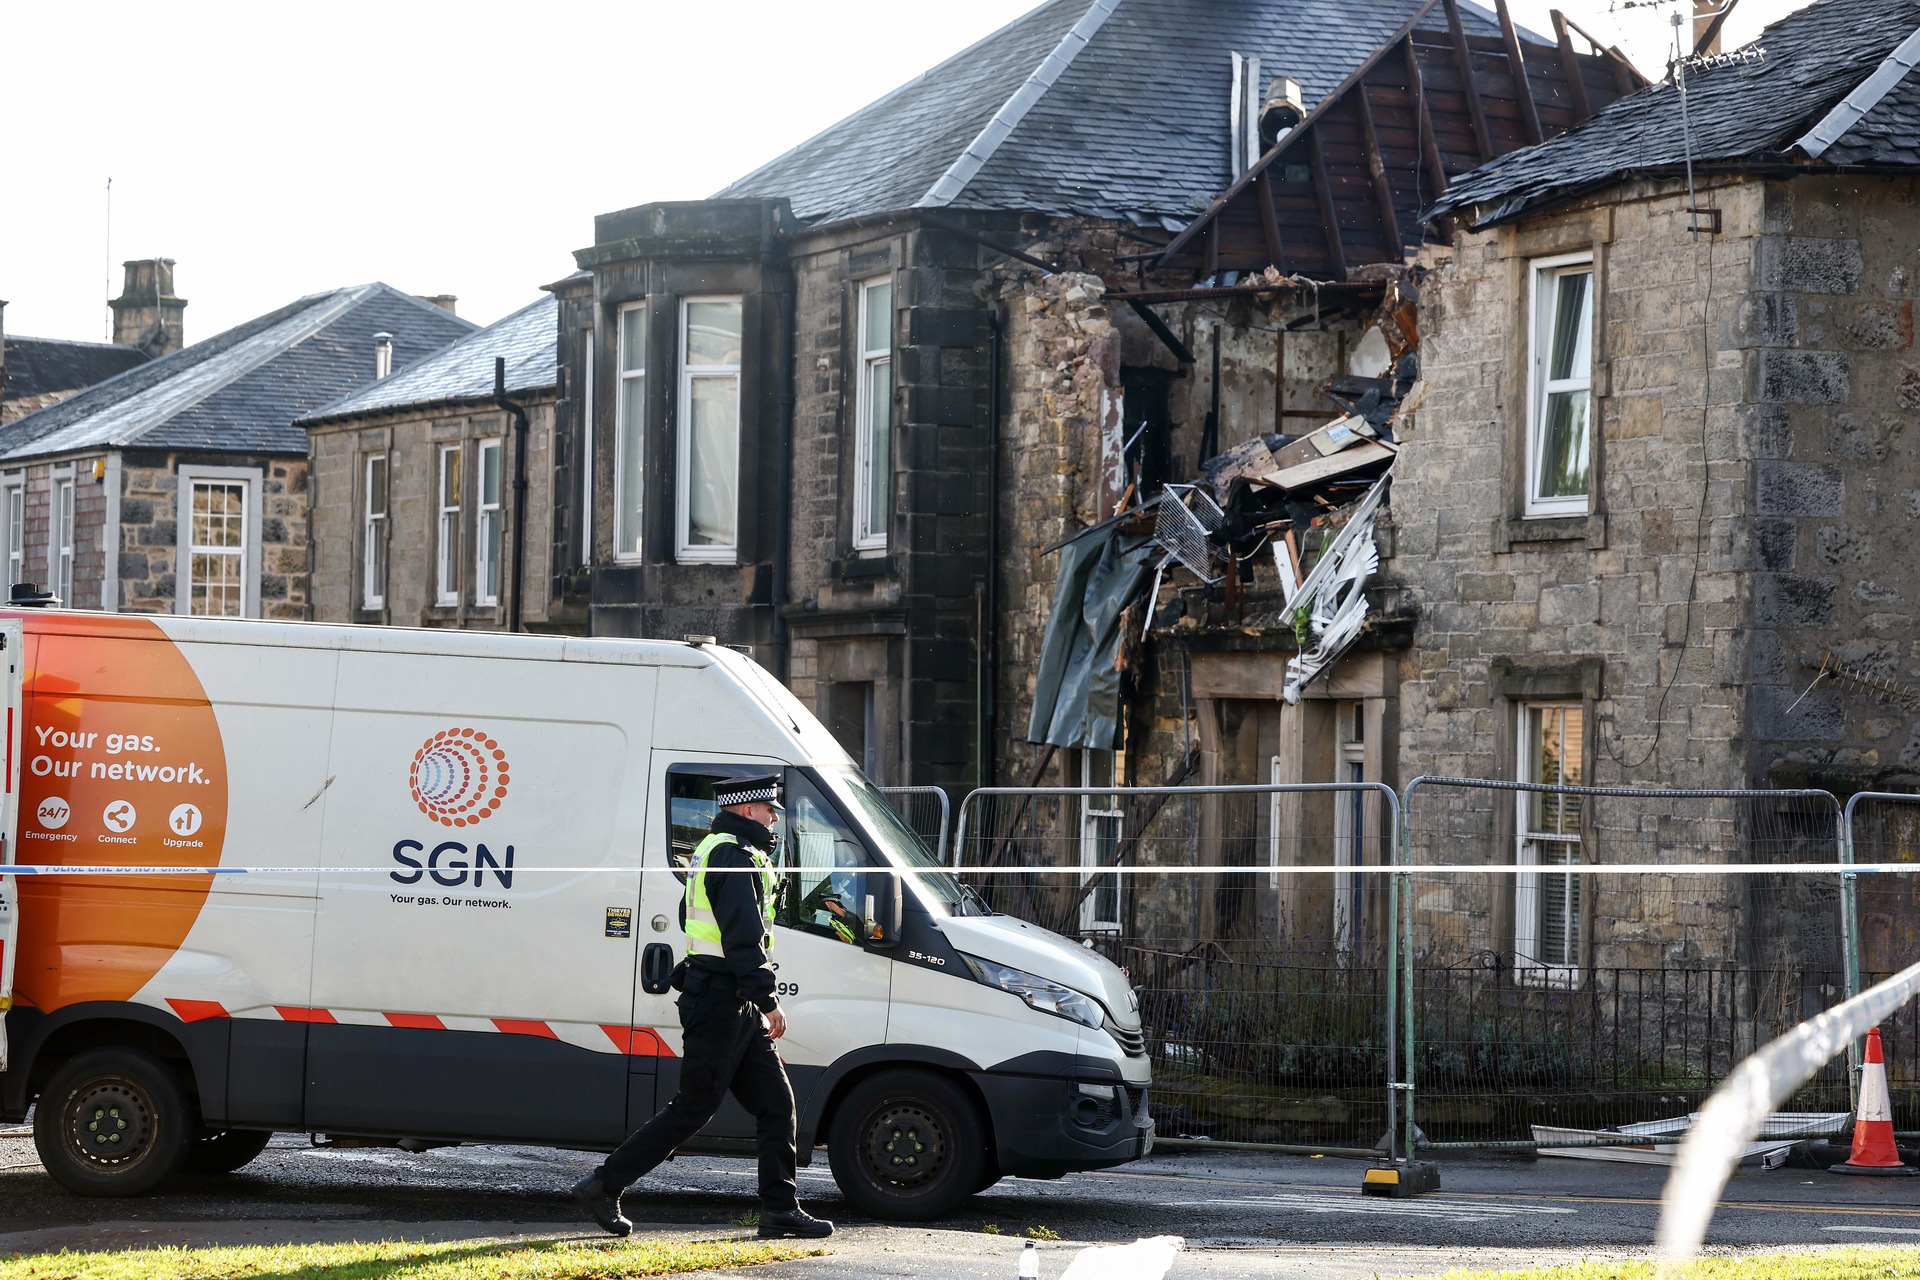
(901, 845)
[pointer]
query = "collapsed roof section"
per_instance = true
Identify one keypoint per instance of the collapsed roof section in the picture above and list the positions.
(1348, 185)
(1828, 85)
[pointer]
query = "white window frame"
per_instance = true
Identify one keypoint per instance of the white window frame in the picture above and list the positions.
(1100, 827)
(486, 557)
(446, 560)
(373, 532)
(683, 549)
(13, 487)
(586, 458)
(868, 419)
(1562, 970)
(252, 479)
(1543, 274)
(628, 543)
(60, 515)
(1349, 824)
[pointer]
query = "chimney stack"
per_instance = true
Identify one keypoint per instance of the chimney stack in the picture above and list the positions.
(147, 315)
(444, 301)
(1704, 13)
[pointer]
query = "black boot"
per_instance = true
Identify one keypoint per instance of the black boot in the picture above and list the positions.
(605, 1208)
(793, 1222)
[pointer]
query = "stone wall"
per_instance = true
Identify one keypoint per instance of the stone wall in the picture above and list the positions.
(1747, 498)
(412, 445)
(149, 530)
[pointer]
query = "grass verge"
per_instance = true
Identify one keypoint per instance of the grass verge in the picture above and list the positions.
(406, 1260)
(1822, 1264)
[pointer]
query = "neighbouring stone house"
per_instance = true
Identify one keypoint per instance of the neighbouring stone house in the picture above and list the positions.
(417, 520)
(1660, 475)
(839, 411)
(180, 485)
(147, 324)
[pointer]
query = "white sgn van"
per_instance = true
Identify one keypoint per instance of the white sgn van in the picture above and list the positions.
(458, 991)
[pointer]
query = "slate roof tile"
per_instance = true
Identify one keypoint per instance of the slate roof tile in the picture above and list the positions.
(1135, 126)
(239, 391)
(529, 339)
(47, 366)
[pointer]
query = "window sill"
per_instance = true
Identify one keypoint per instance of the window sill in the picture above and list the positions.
(1590, 528)
(866, 566)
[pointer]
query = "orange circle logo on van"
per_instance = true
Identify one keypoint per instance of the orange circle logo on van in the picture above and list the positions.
(459, 777)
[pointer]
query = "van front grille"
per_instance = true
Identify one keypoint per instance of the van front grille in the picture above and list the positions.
(1132, 1043)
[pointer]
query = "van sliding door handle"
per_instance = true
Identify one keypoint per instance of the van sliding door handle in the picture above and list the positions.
(656, 969)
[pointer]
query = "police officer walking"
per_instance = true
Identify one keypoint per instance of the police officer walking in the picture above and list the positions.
(729, 1018)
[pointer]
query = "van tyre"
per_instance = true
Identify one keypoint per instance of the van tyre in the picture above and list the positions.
(908, 1146)
(224, 1150)
(113, 1122)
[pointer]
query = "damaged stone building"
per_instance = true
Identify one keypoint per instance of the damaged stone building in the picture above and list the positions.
(841, 411)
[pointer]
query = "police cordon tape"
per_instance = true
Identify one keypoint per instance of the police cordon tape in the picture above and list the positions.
(1389, 869)
(1738, 1109)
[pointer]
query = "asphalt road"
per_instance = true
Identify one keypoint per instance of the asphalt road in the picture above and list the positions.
(1241, 1214)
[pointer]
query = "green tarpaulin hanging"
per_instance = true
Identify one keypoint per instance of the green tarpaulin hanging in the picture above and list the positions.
(1076, 696)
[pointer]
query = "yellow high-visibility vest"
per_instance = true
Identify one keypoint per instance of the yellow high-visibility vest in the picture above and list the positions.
(703, 929)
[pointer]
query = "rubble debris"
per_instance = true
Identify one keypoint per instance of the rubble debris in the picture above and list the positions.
(1309, 474)
(1330, 607)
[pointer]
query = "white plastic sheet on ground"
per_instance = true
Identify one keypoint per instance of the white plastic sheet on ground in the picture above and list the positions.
(1147, 1259)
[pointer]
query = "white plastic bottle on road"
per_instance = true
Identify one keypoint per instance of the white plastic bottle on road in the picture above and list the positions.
(1029, 1262)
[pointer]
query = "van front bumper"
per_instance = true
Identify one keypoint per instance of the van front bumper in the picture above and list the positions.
(1045, 1127)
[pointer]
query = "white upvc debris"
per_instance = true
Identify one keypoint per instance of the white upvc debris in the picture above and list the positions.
(1334, 594)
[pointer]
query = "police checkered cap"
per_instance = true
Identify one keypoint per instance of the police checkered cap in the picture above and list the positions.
(764, 789)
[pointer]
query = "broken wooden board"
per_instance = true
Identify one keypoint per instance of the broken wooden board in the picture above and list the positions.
(1346, 461)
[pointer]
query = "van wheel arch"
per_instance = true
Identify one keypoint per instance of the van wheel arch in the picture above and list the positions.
(83, 1035)
(850, 1071)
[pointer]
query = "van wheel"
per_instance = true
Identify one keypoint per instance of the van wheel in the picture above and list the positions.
(224, 1150)
(909, 1146)
(113, 1122)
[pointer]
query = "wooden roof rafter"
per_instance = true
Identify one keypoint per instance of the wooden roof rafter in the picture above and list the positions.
(1346, 187)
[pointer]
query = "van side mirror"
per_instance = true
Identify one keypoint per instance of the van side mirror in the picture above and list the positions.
(882, 917)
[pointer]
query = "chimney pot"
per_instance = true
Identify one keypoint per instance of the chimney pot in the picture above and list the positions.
(382, 355)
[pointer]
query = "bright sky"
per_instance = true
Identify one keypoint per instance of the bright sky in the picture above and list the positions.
(278, 150)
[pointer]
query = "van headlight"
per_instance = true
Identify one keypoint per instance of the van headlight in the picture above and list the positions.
(1041, 993)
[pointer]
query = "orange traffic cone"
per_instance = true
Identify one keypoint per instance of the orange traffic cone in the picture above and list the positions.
(1873, 1149)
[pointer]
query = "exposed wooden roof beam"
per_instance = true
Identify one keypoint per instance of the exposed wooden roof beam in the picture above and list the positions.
(1469, 86)
(1570, 65)
(1226, 197)
(1329, 219)
(1517, 65)
(1270, 221)
(1377, 169)
(1435, 164)
(1626, 76)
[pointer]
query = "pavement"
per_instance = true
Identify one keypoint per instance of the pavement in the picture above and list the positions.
(1242, 1214)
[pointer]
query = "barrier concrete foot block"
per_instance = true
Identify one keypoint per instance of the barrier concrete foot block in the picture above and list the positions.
(1400, 1179)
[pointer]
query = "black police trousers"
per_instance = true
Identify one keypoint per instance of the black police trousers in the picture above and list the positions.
(725, 1046)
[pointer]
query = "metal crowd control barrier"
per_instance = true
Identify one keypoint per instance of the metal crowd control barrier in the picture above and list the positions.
(1883, 930)
(1527, 1003)
(1267, 996)
(926, 810)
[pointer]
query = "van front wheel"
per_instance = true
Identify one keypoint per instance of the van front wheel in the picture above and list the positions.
(908, 1146)
(113, 1122)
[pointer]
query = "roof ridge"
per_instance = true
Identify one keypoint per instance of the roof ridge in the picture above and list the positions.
(431, 363)
(298, 328)
(73, 342)
(948, 186)
(1865, 97)
(885, 98)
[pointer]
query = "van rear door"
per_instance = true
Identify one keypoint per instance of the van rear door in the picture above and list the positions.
(9, 814)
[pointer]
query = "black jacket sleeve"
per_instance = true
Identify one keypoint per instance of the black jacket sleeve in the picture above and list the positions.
(736, 900)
